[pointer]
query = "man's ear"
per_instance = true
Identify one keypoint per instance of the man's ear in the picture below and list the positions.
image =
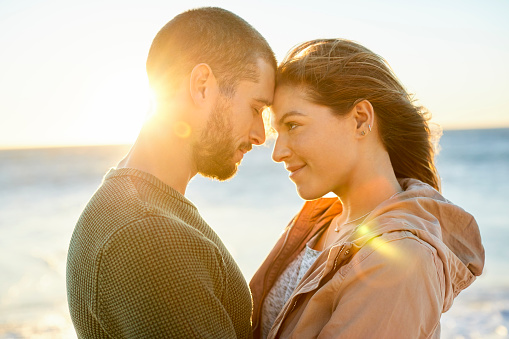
(202, 84)
(364, 114)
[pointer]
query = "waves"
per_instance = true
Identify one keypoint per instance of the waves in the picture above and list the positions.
(42, 193)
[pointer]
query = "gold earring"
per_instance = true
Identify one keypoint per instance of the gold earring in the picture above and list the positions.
(363, 133)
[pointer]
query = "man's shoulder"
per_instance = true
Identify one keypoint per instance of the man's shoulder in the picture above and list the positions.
(160, 233)
(161, 226)
(115, 196)
(117, 215)
(133, 197)
(120, 201)
(157, 246)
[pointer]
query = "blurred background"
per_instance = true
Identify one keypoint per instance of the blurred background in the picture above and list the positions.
(73, 95)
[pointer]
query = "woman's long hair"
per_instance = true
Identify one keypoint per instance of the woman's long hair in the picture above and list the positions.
(340, 73)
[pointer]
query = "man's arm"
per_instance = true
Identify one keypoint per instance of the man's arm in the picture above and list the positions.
(160, 278)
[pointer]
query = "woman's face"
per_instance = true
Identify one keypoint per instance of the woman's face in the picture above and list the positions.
(318, 147)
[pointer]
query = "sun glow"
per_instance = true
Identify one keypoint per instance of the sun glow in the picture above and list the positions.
(121, 102)
(387, 249)
(382, 246)
(182, 129)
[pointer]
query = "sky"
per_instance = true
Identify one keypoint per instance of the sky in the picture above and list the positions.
(73, 72)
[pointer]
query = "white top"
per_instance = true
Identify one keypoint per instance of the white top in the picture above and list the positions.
(285, 285)
(292, 275)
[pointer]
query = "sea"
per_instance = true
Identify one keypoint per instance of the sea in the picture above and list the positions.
(43, 191)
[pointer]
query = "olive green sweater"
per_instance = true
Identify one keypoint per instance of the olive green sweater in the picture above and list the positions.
(142, 263)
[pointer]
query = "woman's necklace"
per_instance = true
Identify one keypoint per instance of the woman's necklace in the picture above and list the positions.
(336, 229)
(351, 221)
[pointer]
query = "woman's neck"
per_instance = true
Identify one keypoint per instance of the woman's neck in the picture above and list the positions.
(373, 183)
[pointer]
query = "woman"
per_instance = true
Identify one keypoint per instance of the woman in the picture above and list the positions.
(389, 256)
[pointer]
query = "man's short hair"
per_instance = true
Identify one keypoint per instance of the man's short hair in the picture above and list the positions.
(215, 36)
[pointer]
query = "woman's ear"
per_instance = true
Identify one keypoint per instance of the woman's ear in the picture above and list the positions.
(365, 116)
(202, 84)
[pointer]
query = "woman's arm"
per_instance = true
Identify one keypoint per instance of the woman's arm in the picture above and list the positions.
(395, 290)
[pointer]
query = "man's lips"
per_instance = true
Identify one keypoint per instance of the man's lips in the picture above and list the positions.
(245, 148)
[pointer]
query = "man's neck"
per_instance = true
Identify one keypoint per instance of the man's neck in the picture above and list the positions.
(164, 155)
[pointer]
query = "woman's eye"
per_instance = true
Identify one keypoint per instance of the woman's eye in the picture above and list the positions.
(291, 125)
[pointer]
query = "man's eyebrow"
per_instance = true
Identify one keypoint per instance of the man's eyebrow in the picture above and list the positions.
(263, 101)
(289, 114)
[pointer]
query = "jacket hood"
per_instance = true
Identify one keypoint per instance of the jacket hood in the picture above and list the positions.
(453, 232)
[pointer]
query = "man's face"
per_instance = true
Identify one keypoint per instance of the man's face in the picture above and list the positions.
(235, 124)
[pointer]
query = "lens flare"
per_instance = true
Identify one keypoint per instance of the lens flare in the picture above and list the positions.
(386, 253)
(387, 249)
(182, 129)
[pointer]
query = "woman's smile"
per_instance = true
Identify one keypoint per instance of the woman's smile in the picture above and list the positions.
(310, 138)
(294, 170)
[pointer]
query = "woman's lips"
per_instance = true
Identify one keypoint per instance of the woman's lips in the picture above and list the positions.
(294, 170)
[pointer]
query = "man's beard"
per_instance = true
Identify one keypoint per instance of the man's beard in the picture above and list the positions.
(214, 152)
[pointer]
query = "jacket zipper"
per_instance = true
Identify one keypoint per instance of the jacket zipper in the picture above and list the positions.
(264, 294)
(297, 297)
(332, 270)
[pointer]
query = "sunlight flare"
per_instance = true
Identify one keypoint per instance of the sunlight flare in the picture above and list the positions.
(182, 129)
(120, 105)
(387, 249)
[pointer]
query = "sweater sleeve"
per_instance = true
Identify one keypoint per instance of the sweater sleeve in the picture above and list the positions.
(160, 278)
(393, 292)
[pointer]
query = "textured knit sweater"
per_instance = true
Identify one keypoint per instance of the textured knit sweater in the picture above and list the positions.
(142, 263)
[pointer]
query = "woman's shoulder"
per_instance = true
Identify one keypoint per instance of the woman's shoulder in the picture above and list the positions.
(396, 254)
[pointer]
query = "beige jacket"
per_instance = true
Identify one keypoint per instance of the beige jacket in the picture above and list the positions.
(392, 278)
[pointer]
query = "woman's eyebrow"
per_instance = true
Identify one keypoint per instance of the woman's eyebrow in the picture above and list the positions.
(289, 114)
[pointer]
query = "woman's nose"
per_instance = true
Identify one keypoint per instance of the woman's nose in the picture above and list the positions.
(281, 150)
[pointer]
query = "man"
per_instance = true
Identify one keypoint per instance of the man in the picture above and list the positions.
(142, 262)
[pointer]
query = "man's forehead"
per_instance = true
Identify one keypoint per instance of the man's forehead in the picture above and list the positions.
(261, 90)
(261, 93)
(266, 82)
(264, 101)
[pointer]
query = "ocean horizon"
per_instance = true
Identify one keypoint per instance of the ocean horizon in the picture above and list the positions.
(43, 191)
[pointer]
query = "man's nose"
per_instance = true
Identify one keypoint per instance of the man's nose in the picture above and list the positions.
(257, 133)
